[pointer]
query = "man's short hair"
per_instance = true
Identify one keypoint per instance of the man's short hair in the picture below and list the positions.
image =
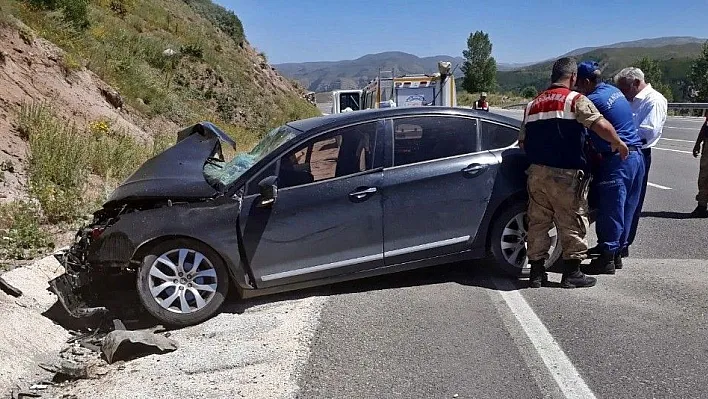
(563, 68)
(630, 75)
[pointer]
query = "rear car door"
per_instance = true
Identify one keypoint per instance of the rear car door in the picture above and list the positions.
(327, 217)
(437, 187)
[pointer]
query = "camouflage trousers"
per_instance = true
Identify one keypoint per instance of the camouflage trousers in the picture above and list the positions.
(702, 196)
(556, 195)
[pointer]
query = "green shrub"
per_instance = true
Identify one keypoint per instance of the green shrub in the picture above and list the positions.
(161, 142)
(58, 162)
(116, 155)
(21, 236)
(224, 19)
(74, 11)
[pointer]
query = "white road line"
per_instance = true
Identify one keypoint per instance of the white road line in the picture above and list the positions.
(683, 141)
(564, 373)
(695, 129)
(658, 186)
(672, 150)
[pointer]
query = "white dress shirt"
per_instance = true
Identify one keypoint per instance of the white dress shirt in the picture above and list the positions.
(649, 109)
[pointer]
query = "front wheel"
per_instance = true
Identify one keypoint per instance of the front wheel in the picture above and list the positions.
(508, 242)
(182, 282)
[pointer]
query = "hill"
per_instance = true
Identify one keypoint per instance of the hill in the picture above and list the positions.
(351, 74)
(642, 43)
(673, 59)
(91, 89)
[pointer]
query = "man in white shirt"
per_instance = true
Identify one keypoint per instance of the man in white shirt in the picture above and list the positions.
(649, 109)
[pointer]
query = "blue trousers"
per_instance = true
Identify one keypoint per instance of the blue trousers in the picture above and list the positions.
(617, 193)
(637, 213)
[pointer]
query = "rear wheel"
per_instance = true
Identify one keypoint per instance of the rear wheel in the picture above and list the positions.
(508, 241)
(182, 282)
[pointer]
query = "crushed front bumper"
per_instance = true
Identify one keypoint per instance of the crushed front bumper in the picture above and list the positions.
(71, 286)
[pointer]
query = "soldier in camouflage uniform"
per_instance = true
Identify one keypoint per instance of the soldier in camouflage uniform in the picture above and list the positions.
(553, 137)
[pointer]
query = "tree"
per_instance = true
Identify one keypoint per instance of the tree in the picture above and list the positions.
(698, 77)
(529, 92)
(654, 75)
(480, 68)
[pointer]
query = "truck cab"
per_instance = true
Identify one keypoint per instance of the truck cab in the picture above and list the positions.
(345, 101)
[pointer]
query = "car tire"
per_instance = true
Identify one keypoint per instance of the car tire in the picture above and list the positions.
(508, 254)
(190, 298)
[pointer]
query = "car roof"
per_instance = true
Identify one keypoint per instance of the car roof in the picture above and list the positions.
(346, 118)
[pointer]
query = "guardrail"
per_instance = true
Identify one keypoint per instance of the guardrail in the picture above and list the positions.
(671, 106)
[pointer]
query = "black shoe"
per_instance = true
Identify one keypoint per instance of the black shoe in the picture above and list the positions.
(605, 264)
(573, 277)
(618, 260)
(594, 252)
(538, 276)
(624, 252)
(700, 212)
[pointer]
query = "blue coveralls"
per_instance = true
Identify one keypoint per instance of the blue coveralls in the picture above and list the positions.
(617, 184)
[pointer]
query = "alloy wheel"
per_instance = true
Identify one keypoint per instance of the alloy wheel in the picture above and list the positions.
(513, 240)
(182, 280)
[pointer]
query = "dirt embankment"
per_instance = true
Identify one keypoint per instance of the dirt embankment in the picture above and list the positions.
(34, 70)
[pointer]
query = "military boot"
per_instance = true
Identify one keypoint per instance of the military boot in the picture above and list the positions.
(538, 276)
(594, 252)
(701, 211)
(573, 277)
(605, 264)
(618, 260)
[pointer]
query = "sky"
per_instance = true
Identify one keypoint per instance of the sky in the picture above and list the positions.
(520, 30)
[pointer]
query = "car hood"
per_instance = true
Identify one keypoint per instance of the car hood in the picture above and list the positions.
(178, 172)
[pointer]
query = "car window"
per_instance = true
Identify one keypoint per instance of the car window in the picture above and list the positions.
(495, 136)
(340, 153)
(427, 138)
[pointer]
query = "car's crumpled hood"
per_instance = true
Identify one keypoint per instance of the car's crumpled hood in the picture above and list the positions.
(178, 172)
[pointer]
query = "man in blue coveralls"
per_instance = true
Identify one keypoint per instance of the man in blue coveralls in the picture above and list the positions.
(618, 183)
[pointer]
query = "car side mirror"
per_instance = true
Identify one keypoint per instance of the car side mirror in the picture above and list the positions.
(269, 191)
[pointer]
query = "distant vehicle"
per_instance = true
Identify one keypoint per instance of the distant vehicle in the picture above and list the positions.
(411, 90)
(345, 101)
(317, 201)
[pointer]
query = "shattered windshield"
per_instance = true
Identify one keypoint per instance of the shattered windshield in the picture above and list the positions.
(222, 174)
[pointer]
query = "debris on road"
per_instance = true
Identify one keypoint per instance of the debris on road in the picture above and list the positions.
(127, 345)
(9, 289)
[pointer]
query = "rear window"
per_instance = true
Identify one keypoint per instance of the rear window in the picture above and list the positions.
(428, 138)
(495, 136)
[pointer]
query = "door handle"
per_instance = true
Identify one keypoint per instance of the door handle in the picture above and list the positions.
(363, 193)
(474, 169)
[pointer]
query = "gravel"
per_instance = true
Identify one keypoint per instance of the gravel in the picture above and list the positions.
(253, 353)
(26, 337)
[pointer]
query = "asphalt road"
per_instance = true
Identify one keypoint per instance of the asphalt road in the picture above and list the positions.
(463, 330)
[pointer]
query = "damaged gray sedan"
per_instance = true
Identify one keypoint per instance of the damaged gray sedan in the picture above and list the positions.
(317, 201)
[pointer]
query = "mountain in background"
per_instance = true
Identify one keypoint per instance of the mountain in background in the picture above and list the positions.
(642, 43)
(674, 55)
(352, 74)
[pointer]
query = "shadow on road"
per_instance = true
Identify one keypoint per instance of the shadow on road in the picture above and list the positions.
(667, 215)
(477, 273)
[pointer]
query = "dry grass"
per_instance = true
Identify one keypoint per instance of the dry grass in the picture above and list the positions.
(495, 99)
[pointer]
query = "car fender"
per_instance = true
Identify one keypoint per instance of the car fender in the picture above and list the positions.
(214, 223)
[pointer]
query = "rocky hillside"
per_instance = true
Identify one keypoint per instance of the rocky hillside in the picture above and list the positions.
(92, 88)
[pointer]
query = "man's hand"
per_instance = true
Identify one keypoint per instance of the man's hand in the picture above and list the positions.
(621, 147)
(697, 149)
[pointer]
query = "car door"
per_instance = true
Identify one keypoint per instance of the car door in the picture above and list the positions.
(327, 217)
(437, 187)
